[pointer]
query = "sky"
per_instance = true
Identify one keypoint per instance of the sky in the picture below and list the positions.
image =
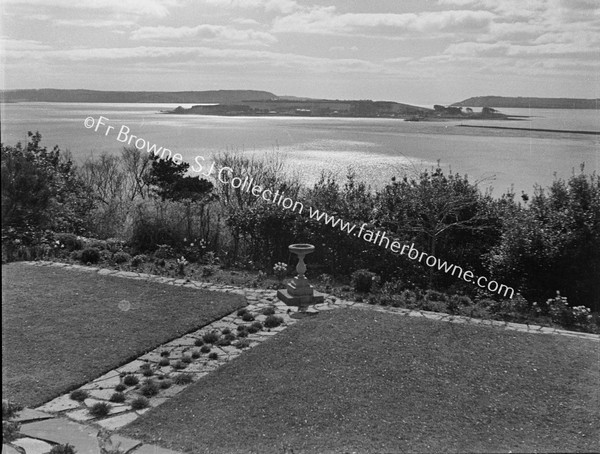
(414, 51)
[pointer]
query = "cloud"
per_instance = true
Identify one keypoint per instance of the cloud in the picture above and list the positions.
(325, 20)
(277, 6)
(156, 8)
(205, 32)
(17, 45)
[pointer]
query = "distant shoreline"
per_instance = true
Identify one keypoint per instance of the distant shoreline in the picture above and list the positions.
(564, 131)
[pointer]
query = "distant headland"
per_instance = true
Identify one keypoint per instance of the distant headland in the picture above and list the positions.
(529, 103)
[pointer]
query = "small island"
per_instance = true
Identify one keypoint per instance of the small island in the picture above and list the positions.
(337, 108)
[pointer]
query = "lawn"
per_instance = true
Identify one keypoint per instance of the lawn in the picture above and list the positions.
(362, 381)
(63, 328)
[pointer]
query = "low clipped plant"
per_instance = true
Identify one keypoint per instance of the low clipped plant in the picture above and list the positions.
(120, 387)
(242, 328)
(149, 388)
(90, 255)
(243, 333)
(273, 321)
(363, 280)
(248, 317)
(186, 359)
(258, 325)
(79, 395)
(224, 342)
(198, 342)
(195, 354)
(213, 355)
(165, 354)
(164, 384)
(139, 260)
(63, 449)
(179, 365)
(183, 379)
(121, 257)
(241, 312)
(210, 338)
(139, 403)
(147, 372)
(242, 343)
(252, 329)
(205, 349)
(270, 310)
(117, 398)
(130, 380)
(225, 331)
(99, 409)
(164, 362)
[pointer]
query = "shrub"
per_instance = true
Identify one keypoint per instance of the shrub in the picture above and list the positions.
(248, 317)
(117, 398)
(195, 354)
(121, 257)
(224, 342)
(268, 310)
(120, 387)
(273, 321)
(183, 379)
(243, 333)
(130, 380)
(139, 403)
(198, 342)
(210, 338)
(164, 251)
(106, 255)
(225, 331)
(90, 255)
(76, 256)
(149, 388)
(147, 372)
(242, 328)
(241, 312)
(139, 260)
(164, 362)
(99, 410)
(205, 349)
(70, 241)
(63, 449)
(208, 270)
(186, 359)
(179, 365)
(79, 395)
(165, 354)
(10, 429)
(252, 329)
(362, 280)
(164, 384)
(213, 355)
(258, 325)
(242, 343)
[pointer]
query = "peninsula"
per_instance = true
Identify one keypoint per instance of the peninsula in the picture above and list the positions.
(529, 103)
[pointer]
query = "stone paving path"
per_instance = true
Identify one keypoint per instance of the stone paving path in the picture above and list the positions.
(167, 370)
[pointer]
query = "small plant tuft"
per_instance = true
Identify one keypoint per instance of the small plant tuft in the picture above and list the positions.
(186, 359)
(183, 379)
(248, 317)
(210, 338)
(130, 380)
(179, 365)
(79, 395)
(90, 255)
(242, 343)
(117, 398)
(205, 349)
(241, 312)
(164, 362)
(164, 384)
(63, 449)
(225, 331)
(213, 355)
(268, 310)
(198, 342)
(140, 403)
(99, 410)
(273, 321)
(149, 388)
(195, 354)
(120, 387)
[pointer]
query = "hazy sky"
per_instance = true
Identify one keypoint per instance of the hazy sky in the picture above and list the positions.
(421, 52)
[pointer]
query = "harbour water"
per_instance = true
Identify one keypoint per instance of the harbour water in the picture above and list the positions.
(376, 149)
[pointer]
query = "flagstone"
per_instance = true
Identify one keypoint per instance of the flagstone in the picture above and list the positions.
(6, 449)
(150, 449)
(32, 446)
(124, 444)
(28, 414)
(62, 431)
(81, 415)
(59, 404)
(119, 421)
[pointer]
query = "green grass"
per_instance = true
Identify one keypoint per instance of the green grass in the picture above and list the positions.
(363, 381)
(64, 328)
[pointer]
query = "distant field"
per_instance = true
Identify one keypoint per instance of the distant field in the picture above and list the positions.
(61, 329)
(367, 382)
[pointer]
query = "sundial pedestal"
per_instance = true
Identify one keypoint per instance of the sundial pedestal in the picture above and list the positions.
(298, 291)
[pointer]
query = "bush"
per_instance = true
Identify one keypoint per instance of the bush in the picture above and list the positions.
(195, 354)
(130, 380)
(183, 379)
(179, 365)
(63, 449)
(164, 384)
(121, 257)
(248, 317)
(208, 270)
(198, 342)
(273, 321)
(149, 388)
(242, 343)
(90, 255)
(117, 398)
(10, 429)
(140, 403)
(120, 387)
(76, 256)
(225, 331)
(99, 410)
(210, 338)
(241, 312)
(186, 359)
(213, 355)
(70, 241)
(205, 349)
(258, 325)
(362, 281)
(139, 260)
(268, 310)
(164, 362)
(79, 395)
